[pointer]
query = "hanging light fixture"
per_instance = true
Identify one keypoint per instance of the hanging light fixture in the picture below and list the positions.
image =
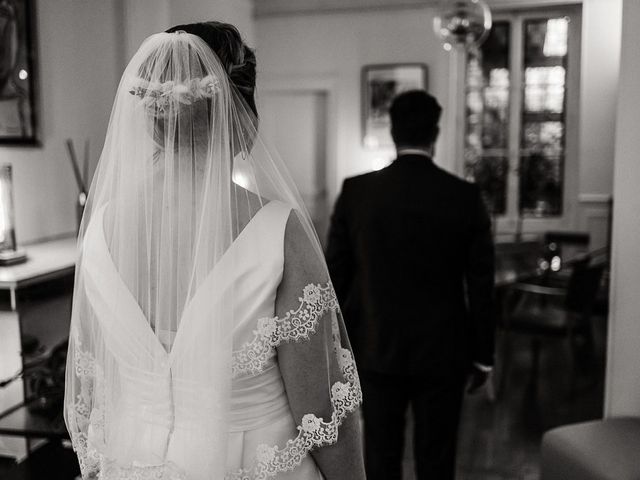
(462, 23)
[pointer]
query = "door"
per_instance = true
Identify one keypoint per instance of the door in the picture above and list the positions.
(296, 123)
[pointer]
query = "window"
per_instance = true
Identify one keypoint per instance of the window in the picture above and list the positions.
(517, 91)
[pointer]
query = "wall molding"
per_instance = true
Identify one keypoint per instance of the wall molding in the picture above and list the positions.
(594, 197)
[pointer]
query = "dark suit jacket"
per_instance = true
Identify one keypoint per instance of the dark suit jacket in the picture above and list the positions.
(411, 258)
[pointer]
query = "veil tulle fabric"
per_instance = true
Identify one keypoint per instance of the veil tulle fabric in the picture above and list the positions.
(182, 173)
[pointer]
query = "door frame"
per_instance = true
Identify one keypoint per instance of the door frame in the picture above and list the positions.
(314, 84)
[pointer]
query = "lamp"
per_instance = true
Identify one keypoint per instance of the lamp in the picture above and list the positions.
(462, 23)
(9, 253)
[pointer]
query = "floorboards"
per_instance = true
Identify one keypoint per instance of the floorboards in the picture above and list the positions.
(499, 440)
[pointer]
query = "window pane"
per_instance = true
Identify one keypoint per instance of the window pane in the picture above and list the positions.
(542, 144)
(487, 117)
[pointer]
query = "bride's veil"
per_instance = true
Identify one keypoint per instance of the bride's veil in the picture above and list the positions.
(182, 173)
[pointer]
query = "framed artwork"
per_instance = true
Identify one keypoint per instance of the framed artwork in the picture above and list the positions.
(380, 84)
(18, 111)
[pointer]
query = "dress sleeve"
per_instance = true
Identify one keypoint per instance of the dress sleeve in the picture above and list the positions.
(318, 370)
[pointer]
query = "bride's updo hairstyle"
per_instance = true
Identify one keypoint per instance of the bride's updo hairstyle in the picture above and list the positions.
(236, 57)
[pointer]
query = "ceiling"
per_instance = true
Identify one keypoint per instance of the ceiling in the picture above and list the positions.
(280, 7)
(266, 8)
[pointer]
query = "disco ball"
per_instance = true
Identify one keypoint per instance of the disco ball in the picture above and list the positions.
(462, 23)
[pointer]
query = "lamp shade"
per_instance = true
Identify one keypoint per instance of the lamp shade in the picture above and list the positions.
(7, 220)
(9, 252)
(462, 23)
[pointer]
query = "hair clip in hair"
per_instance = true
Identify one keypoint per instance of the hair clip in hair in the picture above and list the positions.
(161, 95)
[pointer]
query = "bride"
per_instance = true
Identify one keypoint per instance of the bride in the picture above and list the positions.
(206, 339)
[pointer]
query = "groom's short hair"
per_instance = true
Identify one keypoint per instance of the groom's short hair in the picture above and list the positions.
(414, 118)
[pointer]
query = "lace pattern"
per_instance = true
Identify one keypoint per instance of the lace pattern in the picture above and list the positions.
(314, 432)
(87, 411)
(82, 412)
(167, 471)
(296, 325)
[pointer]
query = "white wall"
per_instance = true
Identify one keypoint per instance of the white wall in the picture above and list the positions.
(144, 17)
(83, 47)
(237, 12)
(623, 368)
(601, 21)
(141, 18)
(338, 44)
(77, 50)
(601, 26)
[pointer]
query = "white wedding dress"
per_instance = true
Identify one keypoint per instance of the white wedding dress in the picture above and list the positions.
(260, 417)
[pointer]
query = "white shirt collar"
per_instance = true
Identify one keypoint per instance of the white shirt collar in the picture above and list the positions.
(414, 151)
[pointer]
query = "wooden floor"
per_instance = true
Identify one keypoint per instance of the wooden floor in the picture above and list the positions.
(499, 440)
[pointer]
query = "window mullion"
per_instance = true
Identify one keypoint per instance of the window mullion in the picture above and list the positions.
(516, 68)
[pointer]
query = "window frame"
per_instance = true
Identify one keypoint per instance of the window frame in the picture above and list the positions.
(510, 223)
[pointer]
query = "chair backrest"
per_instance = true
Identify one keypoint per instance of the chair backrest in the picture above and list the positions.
(567, 238)
(583, 286)
(566, 245)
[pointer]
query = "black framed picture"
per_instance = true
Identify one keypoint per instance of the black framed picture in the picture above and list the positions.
(380, 84)
(18, 76)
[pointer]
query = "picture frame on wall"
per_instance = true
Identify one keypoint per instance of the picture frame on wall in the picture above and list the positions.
(18, 75)
(380, 85)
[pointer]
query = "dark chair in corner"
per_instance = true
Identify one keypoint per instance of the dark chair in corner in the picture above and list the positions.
(599, 450)
(542, 312)
(567, 245)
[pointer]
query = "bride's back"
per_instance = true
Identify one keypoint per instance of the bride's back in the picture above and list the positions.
(178, 306)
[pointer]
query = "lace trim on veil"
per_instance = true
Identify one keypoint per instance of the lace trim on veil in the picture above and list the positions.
(87, 409)
(296, 325)
(314, 432)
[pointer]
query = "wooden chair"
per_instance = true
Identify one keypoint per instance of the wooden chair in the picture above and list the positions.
(566, 245)
(544, 312)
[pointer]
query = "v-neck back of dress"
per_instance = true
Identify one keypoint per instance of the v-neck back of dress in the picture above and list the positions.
(111, 291)
(162, 398)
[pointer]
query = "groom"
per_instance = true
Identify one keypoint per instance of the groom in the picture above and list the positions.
(411, 258)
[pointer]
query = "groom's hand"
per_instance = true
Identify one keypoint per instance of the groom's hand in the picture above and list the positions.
(477, 379)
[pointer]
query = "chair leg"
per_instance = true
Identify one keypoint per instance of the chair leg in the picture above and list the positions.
(571, 367)
(582, 360)
(535, 364)
(589, 338)
(530, 399)
(504, 359)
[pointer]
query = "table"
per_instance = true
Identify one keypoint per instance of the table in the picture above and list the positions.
(54, 456)
(20, 422)
(517, 261)
(46, 261)
(35, 301)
